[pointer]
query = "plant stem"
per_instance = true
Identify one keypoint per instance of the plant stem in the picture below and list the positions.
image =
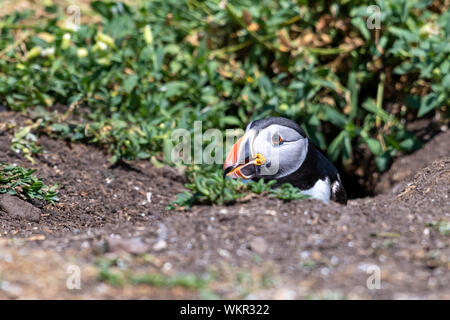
(17, 43)
(257, 38)
(380, 92)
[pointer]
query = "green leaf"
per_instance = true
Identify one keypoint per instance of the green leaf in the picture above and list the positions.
(428, 103)
(336, 146)
(130, 83)
(374, 146)
(383, 161)
(104, 9)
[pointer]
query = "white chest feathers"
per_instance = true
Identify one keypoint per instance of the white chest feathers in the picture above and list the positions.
(321, 190)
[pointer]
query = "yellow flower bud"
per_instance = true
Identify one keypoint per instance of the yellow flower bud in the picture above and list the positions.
(104, 61)
(47, 37)
(101, 37)
(65, 43)
(82, 53)
(33, 53)
(148, 35)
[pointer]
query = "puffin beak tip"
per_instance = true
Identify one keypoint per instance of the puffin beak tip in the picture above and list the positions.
(232, 159)
(239, 163)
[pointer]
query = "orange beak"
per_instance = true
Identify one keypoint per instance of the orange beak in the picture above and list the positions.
(232, 163)
(240, 163)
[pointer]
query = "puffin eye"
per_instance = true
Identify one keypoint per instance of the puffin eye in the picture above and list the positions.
(276, 139)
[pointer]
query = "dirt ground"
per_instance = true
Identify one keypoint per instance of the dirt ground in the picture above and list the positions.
(111, 223)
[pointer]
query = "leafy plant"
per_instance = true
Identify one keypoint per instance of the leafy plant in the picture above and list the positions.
(20, 181)
(442, 226)
(24, 141)
(208, 186)
(106, 273)
(260, 187)
(191, 281)
(116, 277)
(227, 63)
(288, 192)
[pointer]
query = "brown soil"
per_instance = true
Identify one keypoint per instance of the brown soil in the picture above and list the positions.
(405, 167)
(264, 248)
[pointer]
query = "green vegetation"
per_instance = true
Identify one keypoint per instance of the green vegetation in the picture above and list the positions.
(24, 142)
(287, 192)
(186, 281)
(116, 277)
(442, 226)
(19, 181)
(246, 282)
(208, 186)
(128, 81)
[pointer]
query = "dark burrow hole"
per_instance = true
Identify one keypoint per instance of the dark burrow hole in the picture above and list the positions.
(357, 186)
(360, 178)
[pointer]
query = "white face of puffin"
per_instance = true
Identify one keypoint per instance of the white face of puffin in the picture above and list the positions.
(273, 152)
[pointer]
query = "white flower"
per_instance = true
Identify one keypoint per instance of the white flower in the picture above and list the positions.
(48, 52)
(103, 46)
(223, 4)
(70, 25)
(65, 43)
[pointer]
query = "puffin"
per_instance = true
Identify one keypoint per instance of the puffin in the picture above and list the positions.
(278, 149)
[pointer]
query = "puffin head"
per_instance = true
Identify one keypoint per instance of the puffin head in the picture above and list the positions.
(271, 148)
